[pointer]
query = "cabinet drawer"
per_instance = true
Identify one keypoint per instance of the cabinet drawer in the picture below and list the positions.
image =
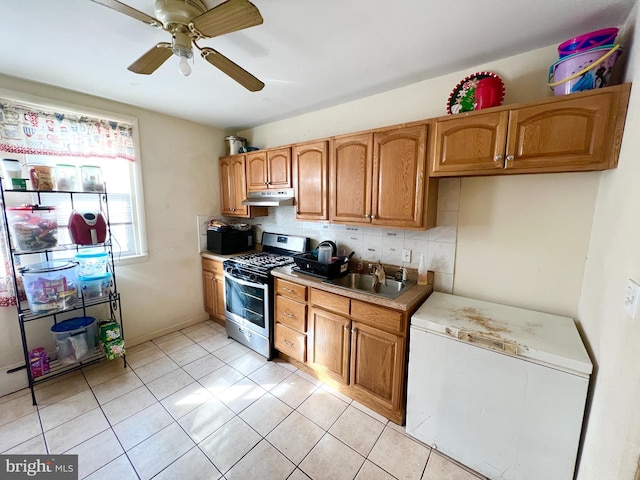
(291, 290)
(212, 265)
(380, 317)
(330, 301)
(291, 313)
(291, 343)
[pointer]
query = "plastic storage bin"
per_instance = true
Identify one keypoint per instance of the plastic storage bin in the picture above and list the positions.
(66, 178)
(75, 339)
(91, 179)
(33, 228)
(50, 286)
(92, 264)
(96, 286)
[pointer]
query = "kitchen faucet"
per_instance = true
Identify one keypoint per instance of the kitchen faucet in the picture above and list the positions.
(379, 277)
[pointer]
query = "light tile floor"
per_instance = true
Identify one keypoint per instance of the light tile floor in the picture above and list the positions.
(196, 405)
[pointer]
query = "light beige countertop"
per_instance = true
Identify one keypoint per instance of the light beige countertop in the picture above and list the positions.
(408, 301)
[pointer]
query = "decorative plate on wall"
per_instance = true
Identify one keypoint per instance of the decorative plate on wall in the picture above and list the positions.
(462, 97)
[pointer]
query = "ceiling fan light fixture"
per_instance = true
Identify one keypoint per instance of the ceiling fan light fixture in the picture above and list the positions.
(181, 48)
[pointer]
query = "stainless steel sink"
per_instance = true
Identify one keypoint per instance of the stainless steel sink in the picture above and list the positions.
(361, 282)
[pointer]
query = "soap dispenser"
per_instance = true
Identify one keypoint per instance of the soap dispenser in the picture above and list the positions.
(422, 271)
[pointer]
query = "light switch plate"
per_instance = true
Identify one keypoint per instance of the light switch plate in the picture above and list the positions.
(406, 255)
(631, 298)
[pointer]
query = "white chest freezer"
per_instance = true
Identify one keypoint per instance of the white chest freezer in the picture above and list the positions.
(500, 389)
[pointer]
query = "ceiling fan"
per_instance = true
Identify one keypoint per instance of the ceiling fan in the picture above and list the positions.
(188, 21)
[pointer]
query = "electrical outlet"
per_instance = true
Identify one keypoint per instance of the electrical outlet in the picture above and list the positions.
(406, 255)
(631, 298)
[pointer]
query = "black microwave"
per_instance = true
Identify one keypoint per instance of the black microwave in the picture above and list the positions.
(230, 241)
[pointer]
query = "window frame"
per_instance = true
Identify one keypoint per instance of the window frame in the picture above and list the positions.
(135, 167)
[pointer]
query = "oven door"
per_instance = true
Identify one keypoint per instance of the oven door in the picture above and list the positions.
(247, 303)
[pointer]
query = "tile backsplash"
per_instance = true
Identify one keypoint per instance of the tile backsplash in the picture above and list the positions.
(371, 244)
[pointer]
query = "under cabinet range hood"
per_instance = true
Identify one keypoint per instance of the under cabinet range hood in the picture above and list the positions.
(269, 198)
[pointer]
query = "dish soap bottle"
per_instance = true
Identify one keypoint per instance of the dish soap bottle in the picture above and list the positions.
(422, 271)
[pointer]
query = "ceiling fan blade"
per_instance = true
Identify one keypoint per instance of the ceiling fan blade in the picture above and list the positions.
(227, 17)
(127, 10)
(236, 72)
(150, 61)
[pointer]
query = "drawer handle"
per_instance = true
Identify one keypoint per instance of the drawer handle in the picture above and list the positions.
(288, 290)
(288, 343)
(288, 314)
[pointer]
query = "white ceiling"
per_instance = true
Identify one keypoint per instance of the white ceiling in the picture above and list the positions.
(310, 54)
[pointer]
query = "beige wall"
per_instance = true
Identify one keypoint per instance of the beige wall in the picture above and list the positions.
(612, 441)
(180, 180)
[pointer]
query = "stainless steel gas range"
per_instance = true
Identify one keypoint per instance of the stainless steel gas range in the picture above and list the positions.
(249, 290)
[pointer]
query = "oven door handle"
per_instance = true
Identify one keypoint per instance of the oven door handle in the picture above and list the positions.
(232, 278)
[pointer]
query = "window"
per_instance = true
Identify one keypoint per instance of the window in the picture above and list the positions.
(54, 135)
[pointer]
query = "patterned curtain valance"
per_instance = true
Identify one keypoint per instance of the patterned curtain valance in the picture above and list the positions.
(31, 130)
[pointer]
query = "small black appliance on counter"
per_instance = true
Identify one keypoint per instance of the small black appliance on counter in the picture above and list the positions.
(228, 241)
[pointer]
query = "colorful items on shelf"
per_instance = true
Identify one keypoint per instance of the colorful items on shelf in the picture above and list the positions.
(111, 339)
(39, 362)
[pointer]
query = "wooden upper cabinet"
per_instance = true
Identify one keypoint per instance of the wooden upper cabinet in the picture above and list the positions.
(474, 143)
(269, 169)
(233, 188)
(399, 177)
(257, 170)
(233, 185)
(569, 133)
(350, 178)
(572, 134)
(310, 172)
(380, 178)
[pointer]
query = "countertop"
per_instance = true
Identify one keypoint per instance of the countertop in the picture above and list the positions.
(408, 301)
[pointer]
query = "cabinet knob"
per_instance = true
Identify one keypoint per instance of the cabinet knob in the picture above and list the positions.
(510, 158)
(372, 217)
(346, 327)
(266, 183)
(498, 158)
(366, 215)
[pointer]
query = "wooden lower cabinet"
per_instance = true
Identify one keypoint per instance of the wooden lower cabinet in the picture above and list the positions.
(213, 289)
(329, 343)
(377, 364)
(359, 348)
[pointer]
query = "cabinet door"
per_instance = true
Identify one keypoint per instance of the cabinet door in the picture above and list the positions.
(310, 170)
(469, 145)
(377, 364)
(257, 176)
(208, 289)
(218, 281)
(279, 168)
(227, 186)
(399, 171)
(328, 344)
(350, 178)
(239, 186)
(566, 135)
